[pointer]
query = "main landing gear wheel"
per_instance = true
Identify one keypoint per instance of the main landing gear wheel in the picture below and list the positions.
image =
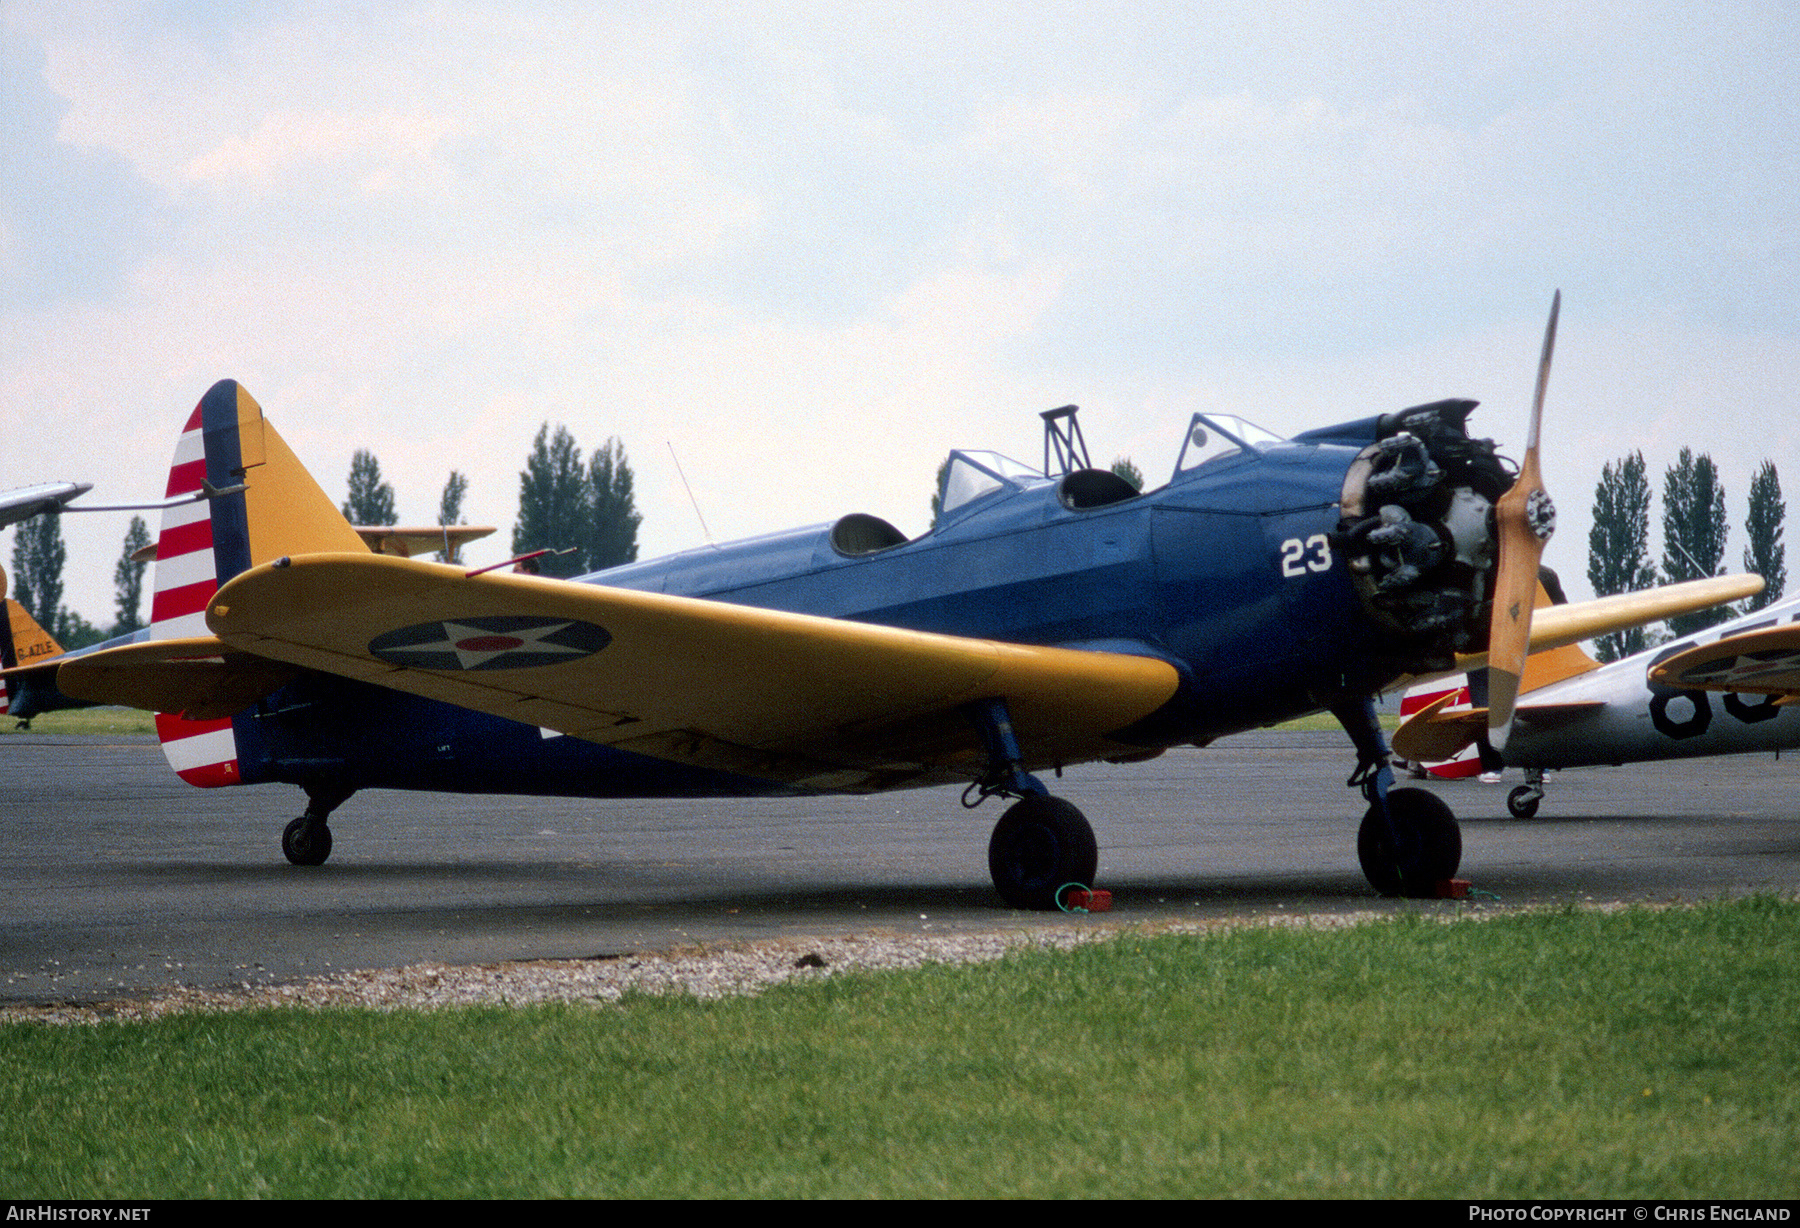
(306, 841)
(1038, 845)
(1430, 838)
(1522, 802)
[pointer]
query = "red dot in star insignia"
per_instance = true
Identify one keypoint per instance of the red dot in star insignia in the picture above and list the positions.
(489, 643)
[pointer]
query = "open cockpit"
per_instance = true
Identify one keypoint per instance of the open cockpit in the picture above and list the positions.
(972, 477)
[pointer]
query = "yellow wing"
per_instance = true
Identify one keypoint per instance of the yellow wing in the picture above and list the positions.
(1432, 735)
(1765, 662)
(1583, 620)
(822, 702)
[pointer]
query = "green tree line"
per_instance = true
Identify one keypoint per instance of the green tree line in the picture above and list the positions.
(1694, 531)
(583, 510)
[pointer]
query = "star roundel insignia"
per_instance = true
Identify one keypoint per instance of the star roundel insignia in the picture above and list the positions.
(495, 641)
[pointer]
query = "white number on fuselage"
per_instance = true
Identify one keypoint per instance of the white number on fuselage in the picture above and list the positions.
(1299, 557)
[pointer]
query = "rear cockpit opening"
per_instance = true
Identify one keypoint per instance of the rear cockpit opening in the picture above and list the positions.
(1091, 488)
(860, 534)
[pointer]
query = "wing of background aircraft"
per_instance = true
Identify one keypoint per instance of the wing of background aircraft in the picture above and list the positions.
(1652, 705)
(29, 501)
(1764, 661)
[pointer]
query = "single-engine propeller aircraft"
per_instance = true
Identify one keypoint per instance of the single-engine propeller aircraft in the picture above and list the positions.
(1653, 705)
(1048, 618)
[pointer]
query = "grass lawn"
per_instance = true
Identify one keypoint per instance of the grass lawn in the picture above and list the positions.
(1645, 1054)
(85, 720)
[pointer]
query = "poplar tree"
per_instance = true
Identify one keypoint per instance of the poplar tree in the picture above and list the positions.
(37, 563)
(371, 500)
(128, 579)
(450, 511)
(1766, 555)
(1618, 546)
(612, 531)
(1694, 532)
(555, 503)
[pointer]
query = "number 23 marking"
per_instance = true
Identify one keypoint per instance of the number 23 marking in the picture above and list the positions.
(1299, 557)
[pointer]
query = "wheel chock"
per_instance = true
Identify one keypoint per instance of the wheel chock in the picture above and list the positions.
(1451, 889)
(1086, 899)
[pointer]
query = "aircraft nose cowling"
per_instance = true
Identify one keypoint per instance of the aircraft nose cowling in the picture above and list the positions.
(1417, 529)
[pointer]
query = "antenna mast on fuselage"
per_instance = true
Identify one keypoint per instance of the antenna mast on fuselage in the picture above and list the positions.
(1063, 434)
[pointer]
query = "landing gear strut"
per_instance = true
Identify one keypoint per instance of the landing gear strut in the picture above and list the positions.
(1409, 841)
(1522, 802)
(307, 840)
(1042, 843)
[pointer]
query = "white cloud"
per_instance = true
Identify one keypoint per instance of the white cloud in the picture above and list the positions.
(371, 149)
(815, 244)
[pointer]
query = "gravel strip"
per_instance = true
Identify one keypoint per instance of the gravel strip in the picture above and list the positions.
(703, 972)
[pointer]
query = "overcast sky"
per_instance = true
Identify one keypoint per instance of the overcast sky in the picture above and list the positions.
(812, 246)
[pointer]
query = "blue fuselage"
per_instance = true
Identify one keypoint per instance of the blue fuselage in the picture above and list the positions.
(1226, 572)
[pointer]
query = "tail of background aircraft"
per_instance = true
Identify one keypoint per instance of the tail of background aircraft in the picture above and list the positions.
(274, 508)
(22, 642)
(1468, 760)
(7, 657)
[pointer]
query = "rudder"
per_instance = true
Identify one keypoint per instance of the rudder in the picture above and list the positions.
(275, 508)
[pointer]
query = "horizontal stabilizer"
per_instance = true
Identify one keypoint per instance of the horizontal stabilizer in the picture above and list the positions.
(197, 678)
(1432, 735)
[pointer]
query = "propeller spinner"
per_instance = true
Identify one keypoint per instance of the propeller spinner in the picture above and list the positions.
(1523, 521)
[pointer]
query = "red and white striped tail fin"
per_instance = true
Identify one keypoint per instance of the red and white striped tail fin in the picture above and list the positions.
(203, 753)
(260, 504)
(1466, 762)
(186, 573)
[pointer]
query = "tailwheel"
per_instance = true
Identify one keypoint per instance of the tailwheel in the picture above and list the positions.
(1431, 845)
(1039, 845)
(1522, 802)
(307, 841)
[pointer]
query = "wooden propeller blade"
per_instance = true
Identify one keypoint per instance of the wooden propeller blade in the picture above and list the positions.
(1523, 520)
